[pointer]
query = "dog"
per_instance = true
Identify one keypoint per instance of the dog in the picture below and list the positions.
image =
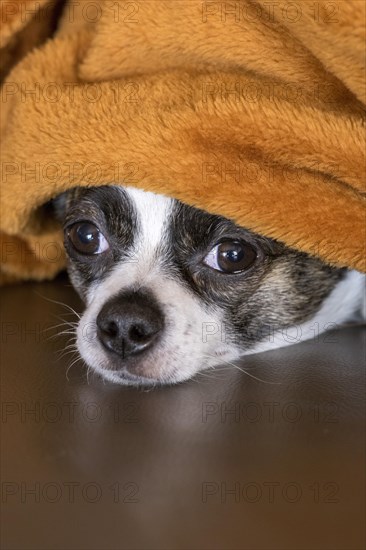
(171, 290)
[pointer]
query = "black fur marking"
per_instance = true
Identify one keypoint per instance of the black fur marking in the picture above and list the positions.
(283, 287)
(112, 211)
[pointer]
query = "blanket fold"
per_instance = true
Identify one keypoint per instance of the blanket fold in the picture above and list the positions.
(249, 111)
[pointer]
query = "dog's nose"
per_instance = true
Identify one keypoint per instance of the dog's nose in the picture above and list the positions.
(129, 323)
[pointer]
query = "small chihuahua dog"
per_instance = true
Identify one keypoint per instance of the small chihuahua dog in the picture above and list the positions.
(171, 290)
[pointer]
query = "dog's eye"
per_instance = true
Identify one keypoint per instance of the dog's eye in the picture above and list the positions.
(86, 238)
(231, 256)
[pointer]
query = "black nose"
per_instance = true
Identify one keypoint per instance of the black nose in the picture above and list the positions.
(129, 323)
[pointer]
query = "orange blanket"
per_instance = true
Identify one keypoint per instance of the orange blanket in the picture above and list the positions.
(250, 109)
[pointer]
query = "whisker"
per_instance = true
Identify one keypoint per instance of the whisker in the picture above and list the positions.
(60, 304)
(243, 370)
(71, 345)
(62, 354)
(71, 331)
(87, 375)
(71, 365)
(53, 336)
(65, 323)
(210, 375)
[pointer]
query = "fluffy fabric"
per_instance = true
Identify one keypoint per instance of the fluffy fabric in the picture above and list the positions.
(252, 110)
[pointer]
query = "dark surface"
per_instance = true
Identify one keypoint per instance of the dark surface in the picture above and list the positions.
(301, 429)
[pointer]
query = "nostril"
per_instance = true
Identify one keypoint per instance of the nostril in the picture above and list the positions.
(110, 328)
(138, 333)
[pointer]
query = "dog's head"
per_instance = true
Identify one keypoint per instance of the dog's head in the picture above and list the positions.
(171, 290)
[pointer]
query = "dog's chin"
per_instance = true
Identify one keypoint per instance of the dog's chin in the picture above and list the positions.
(145, 372)
(124, 378)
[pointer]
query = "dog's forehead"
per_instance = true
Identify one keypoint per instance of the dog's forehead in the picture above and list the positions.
(152, 223)
(152, 217)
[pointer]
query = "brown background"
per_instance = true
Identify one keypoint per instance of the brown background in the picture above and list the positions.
(302, 430)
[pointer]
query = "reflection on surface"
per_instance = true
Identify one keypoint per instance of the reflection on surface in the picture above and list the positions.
(190, 466)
